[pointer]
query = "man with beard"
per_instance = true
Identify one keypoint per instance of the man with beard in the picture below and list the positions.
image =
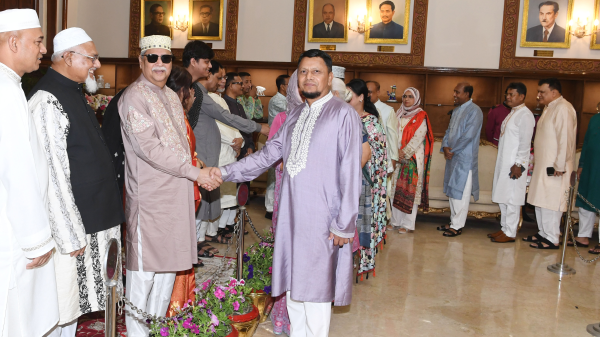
(320, 144)
(159, 178)
(27, 281)
(83, 197)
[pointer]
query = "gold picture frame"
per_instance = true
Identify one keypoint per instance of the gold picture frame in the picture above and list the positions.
(405, 21)
(152, 27)
(595, 41)
(531, 36)
(195, 26)
(312, 27)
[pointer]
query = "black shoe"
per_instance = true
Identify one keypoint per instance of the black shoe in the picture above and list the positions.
(269, 215)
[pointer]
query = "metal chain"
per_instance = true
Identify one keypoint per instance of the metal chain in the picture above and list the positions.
(218, 272)
(570, 225)
(255, 231)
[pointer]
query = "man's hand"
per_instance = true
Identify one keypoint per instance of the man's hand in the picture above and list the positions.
(401, 154)
(237, 144)
(264, 129)
(558, 174)
(206, 181)
(215, 173)
(200, 164)
(447, 154)
(39, 261)
(78, 252)
(252, 92)
(338, 241)
(249, 152)
(395, 163)
(515, 171)
(579, 173)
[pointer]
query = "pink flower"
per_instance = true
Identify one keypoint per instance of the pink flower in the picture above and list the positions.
(233, 292)
(196, 290)
(219, 293)
(242, 282)
(214, 320)
(270, 270)
(205, 285)
(233, 282)
(236, 306)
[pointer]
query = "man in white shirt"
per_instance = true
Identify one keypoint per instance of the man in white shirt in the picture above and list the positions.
(388, 120)
(510, 177)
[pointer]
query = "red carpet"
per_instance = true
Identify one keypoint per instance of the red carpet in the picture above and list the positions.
(92, 325)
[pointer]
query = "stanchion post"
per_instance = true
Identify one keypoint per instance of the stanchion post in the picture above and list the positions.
(111, 275)
(561, 268)
(240, 252)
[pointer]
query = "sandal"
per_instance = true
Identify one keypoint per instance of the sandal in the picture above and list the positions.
(451, 232)
(203, 251)
(404, 231)
(595, 251)
(579, 244)
(532, 237)
(540, 245)
(217, 239)
(224, 233)
(200, 264)
(444, 228)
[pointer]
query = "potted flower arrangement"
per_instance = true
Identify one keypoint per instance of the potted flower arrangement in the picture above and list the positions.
(258, 270)
(233, 300)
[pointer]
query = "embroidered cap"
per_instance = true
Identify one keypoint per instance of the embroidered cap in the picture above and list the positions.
(339, 72)
(155, 41)
(70, 38)
(18, 19)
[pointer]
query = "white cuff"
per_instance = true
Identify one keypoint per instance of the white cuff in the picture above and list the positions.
(340, 234)
(223, 172)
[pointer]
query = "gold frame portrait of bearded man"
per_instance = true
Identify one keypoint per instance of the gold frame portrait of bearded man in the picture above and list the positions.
(327, 20)
(545, 23)
(390, 21)
(155, 18)
(206, 20)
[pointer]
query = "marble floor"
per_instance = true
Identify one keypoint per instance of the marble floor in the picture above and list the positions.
(429, 285)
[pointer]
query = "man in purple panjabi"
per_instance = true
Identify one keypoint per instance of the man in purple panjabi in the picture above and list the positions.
(320, 144)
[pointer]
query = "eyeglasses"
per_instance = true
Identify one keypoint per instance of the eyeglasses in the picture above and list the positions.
(159, 13)
(93, 58)
(153, 58)
(204, 14)
(407, 96)
(240, 83)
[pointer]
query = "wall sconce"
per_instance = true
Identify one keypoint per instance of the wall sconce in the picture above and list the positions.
(179, 24)
(361, 25)
(579, 28)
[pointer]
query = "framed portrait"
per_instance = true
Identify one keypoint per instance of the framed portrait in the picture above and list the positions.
(546, 23)
(155, 18)
(595, 40)
(327, 21)
(390, 20)
(206, 19)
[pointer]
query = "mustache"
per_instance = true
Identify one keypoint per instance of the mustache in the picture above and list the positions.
(159, 68)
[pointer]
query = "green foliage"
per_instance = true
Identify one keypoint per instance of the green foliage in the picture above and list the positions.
(258, 265)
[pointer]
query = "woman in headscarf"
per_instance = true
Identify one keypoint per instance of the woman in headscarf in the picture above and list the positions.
(414, 155)
(372, 217)
(180, 81)
(279, 314)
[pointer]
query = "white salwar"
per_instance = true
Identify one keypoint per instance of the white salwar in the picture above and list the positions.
(416, 147)
(25, 294)
(459, 208)
(80, 279)
(513, 148)
(586, 223)
(308, 319)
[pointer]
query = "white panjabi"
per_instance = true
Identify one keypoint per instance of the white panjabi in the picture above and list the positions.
(18, 19)
(69, 38)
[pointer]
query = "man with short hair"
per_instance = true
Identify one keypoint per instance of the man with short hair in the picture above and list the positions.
(159, 176)
(328, 29)
(233, 89)
(387, 28)
(316, 226)
(510, 175)
(461, 150)
(554, 148)
(156, 26)
(249, 99)
(547, 30)
(196, 59)
(389, 121)
(28, 295)
(495, 117)
(84, 203)
(205, 27)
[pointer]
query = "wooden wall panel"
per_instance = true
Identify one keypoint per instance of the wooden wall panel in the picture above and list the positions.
(591, 97)
(12, 4)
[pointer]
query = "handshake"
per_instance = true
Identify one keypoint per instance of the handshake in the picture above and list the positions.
(209, 178)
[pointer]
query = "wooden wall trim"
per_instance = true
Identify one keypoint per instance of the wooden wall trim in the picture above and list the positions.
(51, 24)
(229, 53)
(508, 59)
(415, 58)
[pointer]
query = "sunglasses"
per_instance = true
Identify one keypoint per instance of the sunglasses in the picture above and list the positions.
(153, 58)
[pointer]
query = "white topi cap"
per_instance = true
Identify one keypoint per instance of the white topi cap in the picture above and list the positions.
(18, 19)
(339, 72)
(70, 38)
(155, 41)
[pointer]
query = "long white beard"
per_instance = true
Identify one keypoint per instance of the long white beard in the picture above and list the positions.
(90, 84)
(221, 90)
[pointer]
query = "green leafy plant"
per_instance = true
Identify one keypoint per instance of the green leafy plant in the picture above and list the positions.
(258, 264)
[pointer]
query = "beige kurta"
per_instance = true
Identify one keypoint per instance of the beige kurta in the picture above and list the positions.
(554, 146)
(158, 179)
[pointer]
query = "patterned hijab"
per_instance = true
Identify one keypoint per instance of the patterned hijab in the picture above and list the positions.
(407, 112)
(293, 94)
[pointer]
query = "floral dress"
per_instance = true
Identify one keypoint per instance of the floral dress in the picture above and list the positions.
(372, 218)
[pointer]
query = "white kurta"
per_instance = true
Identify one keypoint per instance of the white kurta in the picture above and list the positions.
(24, 225)
(389, 121)
(514, 147)
(554, 146)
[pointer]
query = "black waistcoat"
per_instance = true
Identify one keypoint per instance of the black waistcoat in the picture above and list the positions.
(93, 178)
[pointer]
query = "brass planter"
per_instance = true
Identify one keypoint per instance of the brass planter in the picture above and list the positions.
(264, 303)
(246, 324)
